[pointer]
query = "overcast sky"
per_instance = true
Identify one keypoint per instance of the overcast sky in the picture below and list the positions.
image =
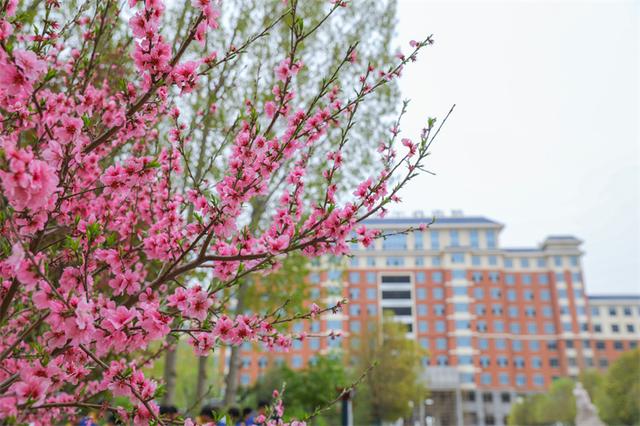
(545, 134)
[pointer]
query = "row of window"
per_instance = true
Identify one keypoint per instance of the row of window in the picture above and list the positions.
(399, 241)
(615, 328)
(613, 311)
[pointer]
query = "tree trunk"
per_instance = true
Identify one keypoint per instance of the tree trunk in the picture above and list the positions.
(201, 387)
(170, 375)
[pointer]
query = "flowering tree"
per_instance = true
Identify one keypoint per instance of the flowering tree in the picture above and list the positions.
(100, 257)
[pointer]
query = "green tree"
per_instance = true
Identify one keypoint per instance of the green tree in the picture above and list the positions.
(314, 387)
(556, 406)
(394, 381)
(619, 401)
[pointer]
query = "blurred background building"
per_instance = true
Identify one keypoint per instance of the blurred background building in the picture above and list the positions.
(497, 323)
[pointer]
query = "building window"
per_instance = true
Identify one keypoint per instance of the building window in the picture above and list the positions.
(461, 307)
(631, 328)
(536, 362)
(538, 380)
(480, 309)
(476, 260)
(530, 311)
(484, 361)
(481, 326)
(435, 240)
(395, 261)
(478, 293)
(526, 279)
(473, 237)
(443, 360)
(420, 277)
(372, 309)
(618, 346)
(501, 344)
(532, 328)
(459, 274)
(510, 279)
(513, 311)
(524, 262)
(511, 295)
(371, 277)
(491, 239)
(457, 257)
(627, 311)
(552, 345)
(495, 293)
(354, 293)
(440, 326)
(503, 378)
(557, 260)
(419, 261)
(354, 310)
(496, 309)
(245, 380)
(422, 309)
(354, 277)
(438, 310)
(372, 293)
(494, 277)
(355, 262)
(441, 344)
(615, 328)
(508, 263)
(603, 363)
(502, 361)
(421, 293)
(613, 311)
(518, 362)
(600, 344)
(559, 277)
(459, 291)
(543, 279)
(454, 236)
(438, 293)
(595, 311)
(476, 277)
(424, 343)
(493, 260)
(423, 326)
(534, 345)
(516, 345)
(553, 362)
(541, 262)
(483, 343)
(417, 240)
(597, 328)
(464, 342)
(296, 361)
(371, 261)
(498, 326)
(574, 260)
(395, 242)
(485, 378)
(436, 277)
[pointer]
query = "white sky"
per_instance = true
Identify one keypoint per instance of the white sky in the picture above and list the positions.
(545, 134)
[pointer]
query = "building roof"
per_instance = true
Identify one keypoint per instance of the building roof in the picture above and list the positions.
(613, 296)
(446, 220)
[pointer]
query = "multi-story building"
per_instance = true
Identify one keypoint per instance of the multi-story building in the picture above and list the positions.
(615, 321)
(496, 322)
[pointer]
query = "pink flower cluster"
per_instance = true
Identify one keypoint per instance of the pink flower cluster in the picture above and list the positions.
(106, 237)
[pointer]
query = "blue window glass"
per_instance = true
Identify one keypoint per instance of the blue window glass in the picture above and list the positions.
(395, 261)
(513, 311)
(575, 277)
(296, 361)
(510, 279)
(516, 345)
(562, 293)
(424, 343)
(538, 380)
(435, 240)
(476, 260)
(438, 310)
(418, 240)
(440, 326)
(371, 261)
(436, 277)
(485, 361)
(245, 379)
(457, 257)
(534, 345)
(483, 344)
(354, 277)
(481, 326)
(495, 293)
(395, 242)
(524, 262)
(515, 328)
(423, 326)
(355, 262)
(494, 277)
(438, 293)
(549, 328)
(372, 309)
(574, 260)
(532, 328)
(421, 293)
(511, 295)
(371, 277)
(498, 326)
(480, 309)
(461, 307)
(419, 261)
(478, 293)
(354, 293)
(297, 345)
(420, 277)
(372, 293)
(463, 341)
(545, 295)
(493, 260)
(503, 378)
(354, 326)
(546, 311)
(459, 291)
(473, 237)
(334, 324)
(441, 344)
(476, 277)
(334, 275)
(465, 360)
(566, 326)
(314, 277)
(526, 279)
(485, 378)
(527, 294)
(463, 325)
(436, 261)
(354, 309)
(496, 309)
(501, 344)
(508, 263)
(557, 260)
(459, 274)
(595, 311)
(577, 293)
(491, 239)
(315, 327)
(521, 380)
(422, 309)
(443, 360)
(455, 240)
(536, 362)
(541, 262)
